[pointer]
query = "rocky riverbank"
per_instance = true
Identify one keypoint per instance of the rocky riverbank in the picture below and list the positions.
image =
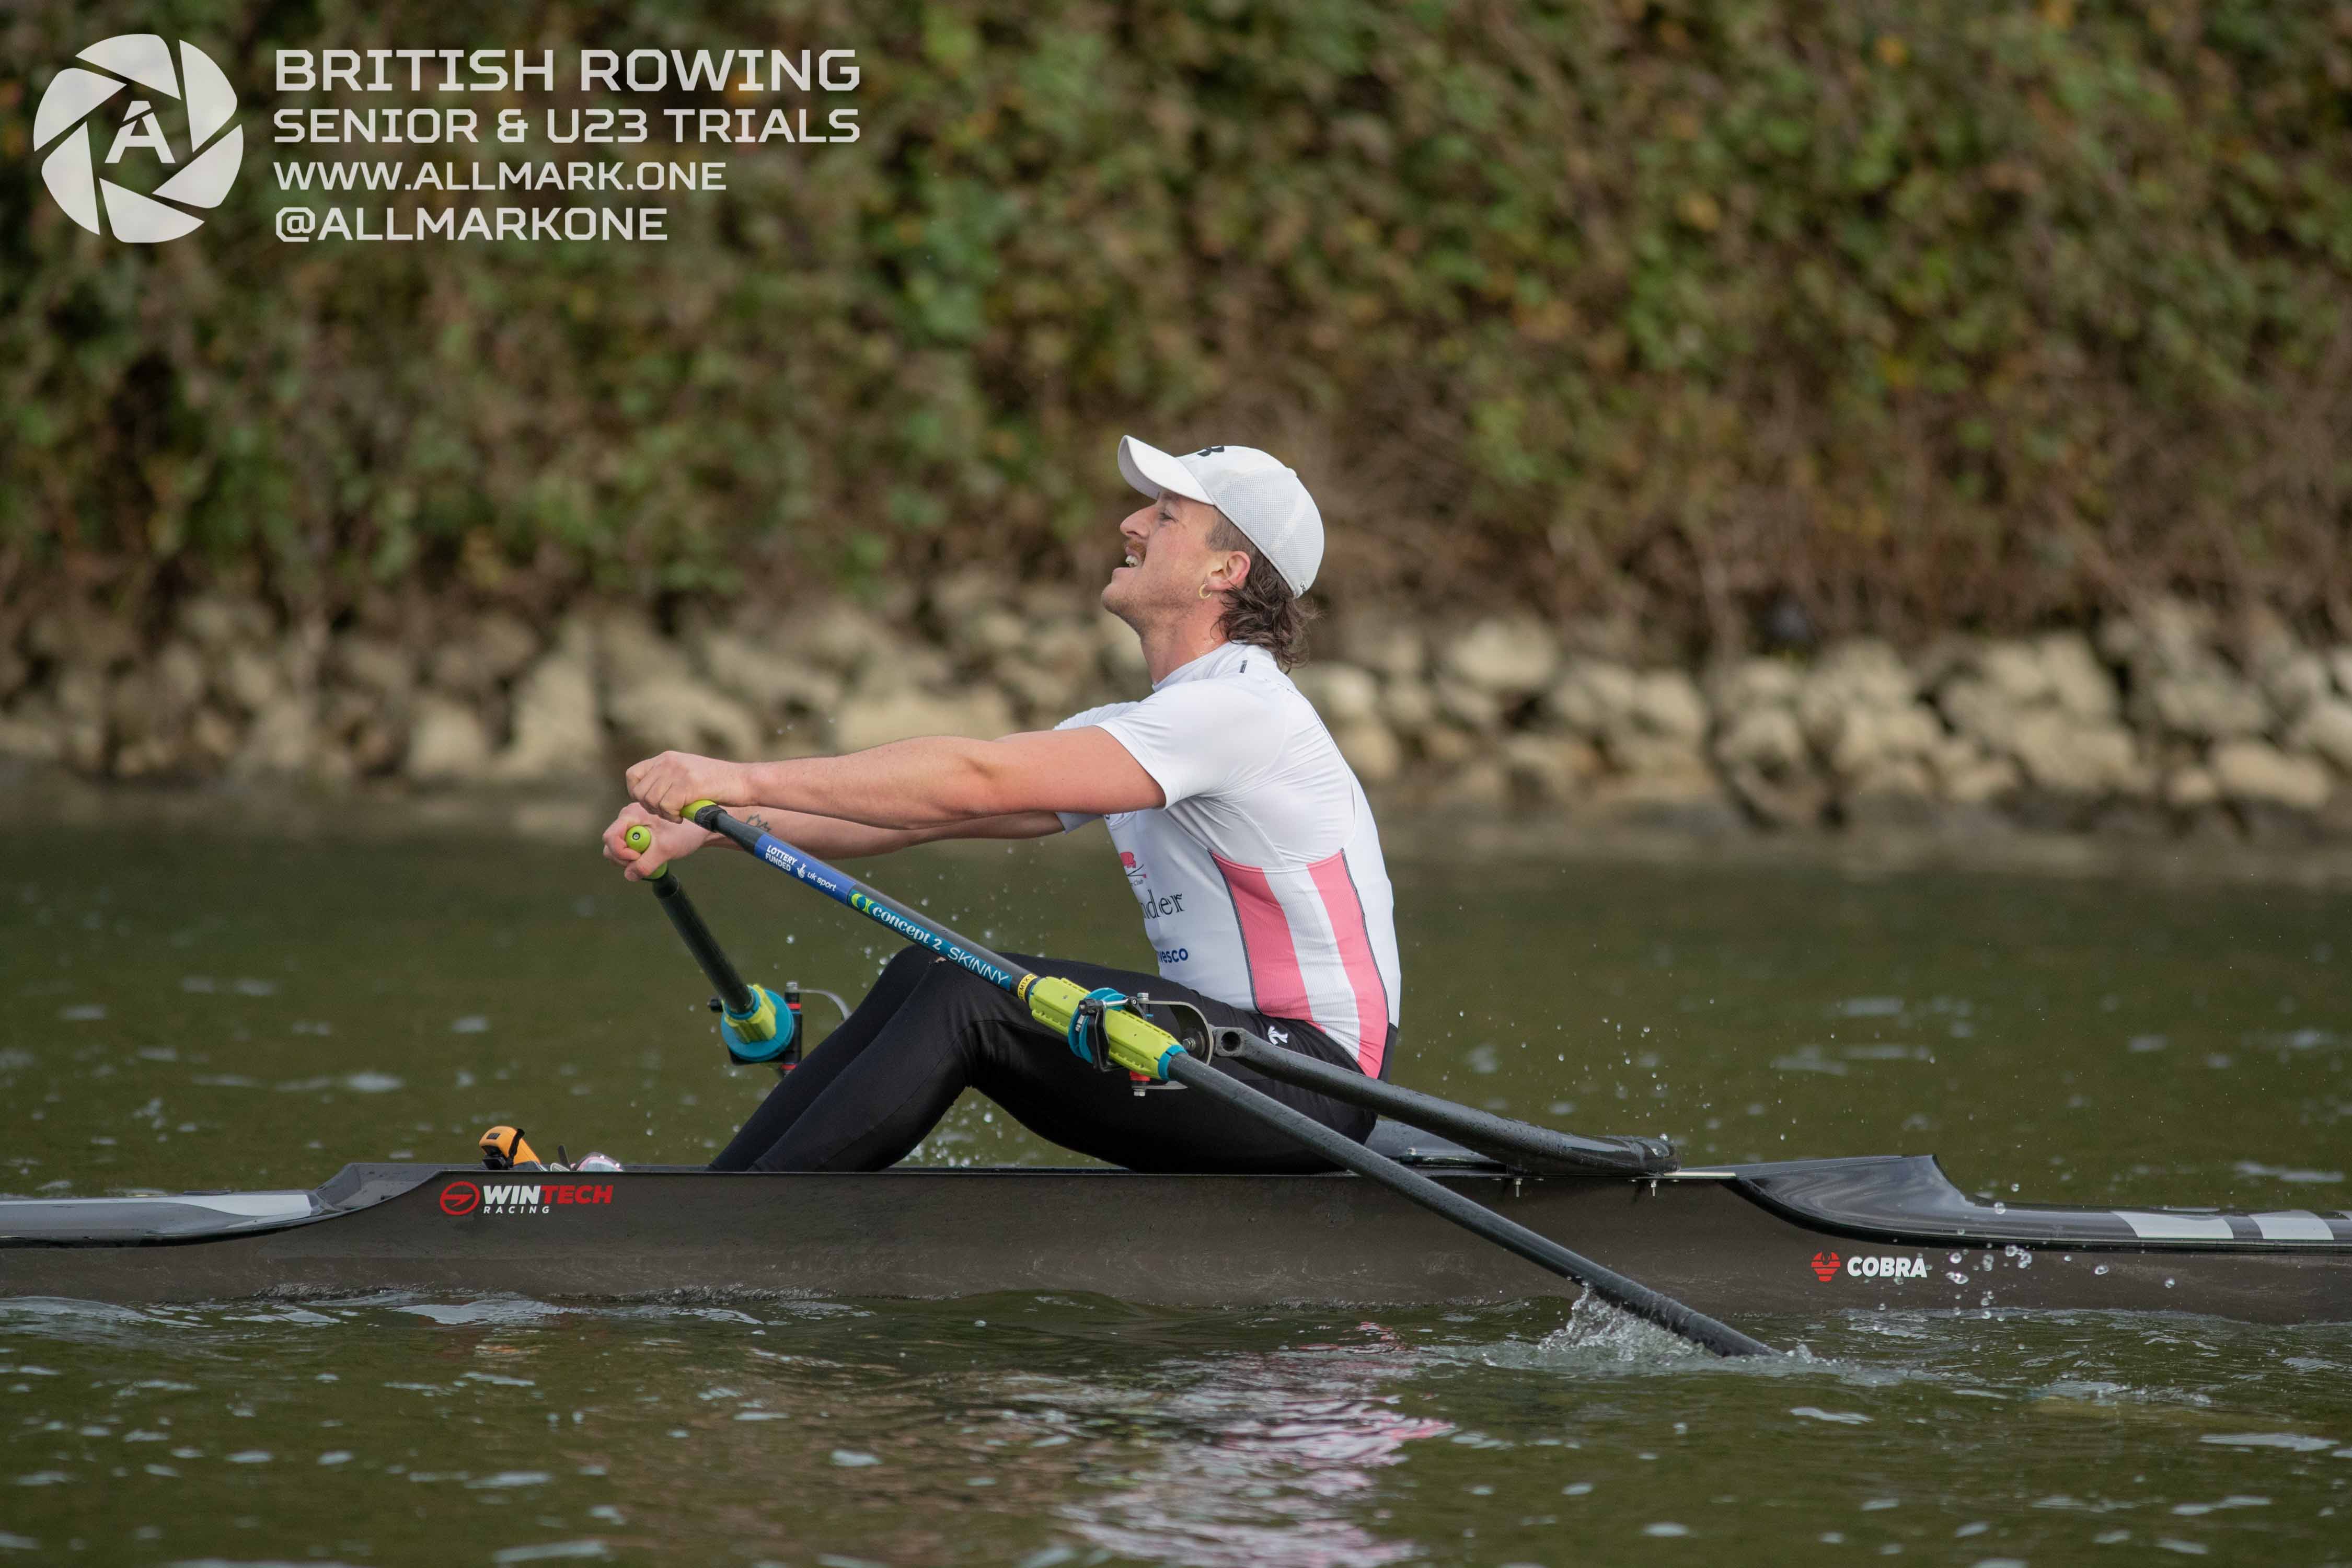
(2157, 723)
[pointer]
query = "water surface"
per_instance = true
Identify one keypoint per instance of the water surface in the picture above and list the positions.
(236, 1013)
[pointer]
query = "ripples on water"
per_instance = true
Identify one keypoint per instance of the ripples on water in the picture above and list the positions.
(1046, 1430)
(186, 1018)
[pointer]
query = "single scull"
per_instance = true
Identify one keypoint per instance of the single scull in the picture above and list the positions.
(1803, 1237)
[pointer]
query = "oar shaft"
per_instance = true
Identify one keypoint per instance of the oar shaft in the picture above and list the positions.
(733, 994)
(1541, 1250)
(1128, 1039)
(1520, 1143)
(844, 889)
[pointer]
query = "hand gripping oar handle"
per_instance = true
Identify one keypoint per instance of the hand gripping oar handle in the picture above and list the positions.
(1540, 1151)
(761, 1031)
(1140, 1045)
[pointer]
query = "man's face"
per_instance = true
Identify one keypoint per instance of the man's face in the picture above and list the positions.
(1168, 559)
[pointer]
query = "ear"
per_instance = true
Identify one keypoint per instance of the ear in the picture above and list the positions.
(1233, 570)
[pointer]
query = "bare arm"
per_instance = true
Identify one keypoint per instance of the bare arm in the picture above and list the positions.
(827, 837)
(920, 786)
(833, 838)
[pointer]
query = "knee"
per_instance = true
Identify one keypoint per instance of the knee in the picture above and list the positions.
(931, 982)
(906, 967)
(939, 977)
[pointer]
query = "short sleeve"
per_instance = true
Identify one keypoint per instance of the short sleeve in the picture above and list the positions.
(1074, 820)
(1198, 737)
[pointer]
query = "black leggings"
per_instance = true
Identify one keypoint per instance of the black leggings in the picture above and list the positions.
(929, 1030)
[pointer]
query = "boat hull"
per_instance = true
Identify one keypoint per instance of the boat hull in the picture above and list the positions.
(1711, 1239)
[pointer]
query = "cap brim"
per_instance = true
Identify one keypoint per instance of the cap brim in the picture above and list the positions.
(1155, 473)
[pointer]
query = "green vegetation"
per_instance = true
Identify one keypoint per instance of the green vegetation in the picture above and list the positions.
(1944, 312)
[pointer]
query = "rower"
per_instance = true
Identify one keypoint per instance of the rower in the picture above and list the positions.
(1243, 834)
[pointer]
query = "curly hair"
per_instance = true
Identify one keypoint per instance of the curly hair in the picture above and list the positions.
(1262, 611)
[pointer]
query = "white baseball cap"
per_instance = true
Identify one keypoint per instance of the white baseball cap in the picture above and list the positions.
(1267, 501)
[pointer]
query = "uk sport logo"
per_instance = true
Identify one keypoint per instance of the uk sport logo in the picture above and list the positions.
(140, 64)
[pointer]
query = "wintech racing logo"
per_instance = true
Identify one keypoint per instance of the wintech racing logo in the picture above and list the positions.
(140, 63)
(460, 1199)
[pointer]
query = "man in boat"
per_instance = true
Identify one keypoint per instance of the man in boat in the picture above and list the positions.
(1242, 832)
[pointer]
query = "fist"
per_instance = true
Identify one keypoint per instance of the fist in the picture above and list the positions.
(671, 841)
(670, 783)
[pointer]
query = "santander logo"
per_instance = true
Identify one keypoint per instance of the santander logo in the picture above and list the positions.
(1825, 1266)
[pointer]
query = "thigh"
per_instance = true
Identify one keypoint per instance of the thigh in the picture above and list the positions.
(1045, 1087)
(874, 1104)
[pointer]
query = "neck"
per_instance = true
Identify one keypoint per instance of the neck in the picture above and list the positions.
(1169, 646)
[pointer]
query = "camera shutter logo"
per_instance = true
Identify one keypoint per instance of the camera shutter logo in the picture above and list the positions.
(140, 64)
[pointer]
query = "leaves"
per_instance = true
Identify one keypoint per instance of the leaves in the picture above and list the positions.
(1860, 303)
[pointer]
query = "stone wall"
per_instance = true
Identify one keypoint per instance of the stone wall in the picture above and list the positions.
(2159, 722)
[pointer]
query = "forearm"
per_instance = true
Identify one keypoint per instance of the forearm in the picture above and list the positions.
(938, 786)
(906, 787)
(836, 838)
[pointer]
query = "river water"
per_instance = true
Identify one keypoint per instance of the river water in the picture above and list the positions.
(224, 1010)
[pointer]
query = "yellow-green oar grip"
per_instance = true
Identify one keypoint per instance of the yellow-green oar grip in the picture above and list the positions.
(640, 839)
(759, 1022)
(692, 811)
(1131, 1040)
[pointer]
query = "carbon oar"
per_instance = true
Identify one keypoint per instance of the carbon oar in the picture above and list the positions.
(1543, 1150)
(760, 1028)
(1133, 1042)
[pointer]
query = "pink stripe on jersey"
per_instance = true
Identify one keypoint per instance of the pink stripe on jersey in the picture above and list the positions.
(1276, 984)
(1349, 929)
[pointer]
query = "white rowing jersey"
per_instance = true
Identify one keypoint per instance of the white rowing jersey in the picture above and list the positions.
(1261, 879)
